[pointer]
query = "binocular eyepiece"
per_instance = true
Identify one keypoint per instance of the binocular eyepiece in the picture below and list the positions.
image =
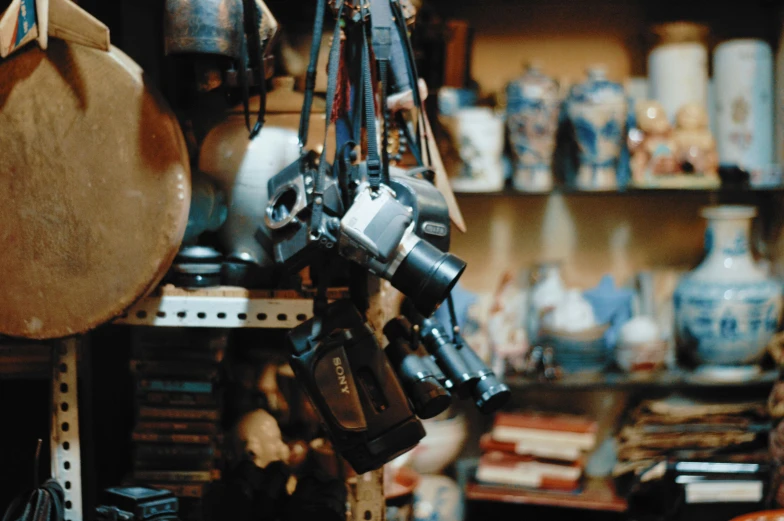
(428, 375)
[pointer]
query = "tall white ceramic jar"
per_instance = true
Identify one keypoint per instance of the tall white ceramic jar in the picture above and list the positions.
(678, 66)
(779, 86)
(743, 77)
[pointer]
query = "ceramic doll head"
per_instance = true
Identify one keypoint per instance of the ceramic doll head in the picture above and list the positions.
(652, 118)
(258, 438)
(692, 116)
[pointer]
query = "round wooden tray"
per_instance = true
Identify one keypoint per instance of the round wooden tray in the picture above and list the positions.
(94, 188)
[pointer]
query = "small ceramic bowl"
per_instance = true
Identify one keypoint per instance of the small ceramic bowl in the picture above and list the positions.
(641, 356)
(441, 445)
(582, 351)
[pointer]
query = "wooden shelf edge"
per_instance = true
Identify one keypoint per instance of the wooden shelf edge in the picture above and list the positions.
(598, 494)
(670, 378)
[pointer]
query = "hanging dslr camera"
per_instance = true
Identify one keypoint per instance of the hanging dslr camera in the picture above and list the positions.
(290, 211)
(305, 200)
(351, 384)
(393, 234)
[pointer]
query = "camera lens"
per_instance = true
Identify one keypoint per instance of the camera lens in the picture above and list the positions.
(447, 356)
(421, 384)
(488, 393)
(427, 275)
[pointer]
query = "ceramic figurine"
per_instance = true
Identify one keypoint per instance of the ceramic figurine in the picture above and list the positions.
(532, 105)
(597, 111)
(727, 309)
(694, 141)
(652, 146)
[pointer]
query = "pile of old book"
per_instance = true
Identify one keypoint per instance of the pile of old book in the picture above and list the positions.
(177, 433)
(536, 451)
(678, 428)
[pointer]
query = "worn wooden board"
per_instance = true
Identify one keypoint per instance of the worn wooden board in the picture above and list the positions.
(94, 184)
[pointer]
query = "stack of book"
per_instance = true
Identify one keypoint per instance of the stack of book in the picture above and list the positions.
(684, 429)
(177, 436)
(538, 451)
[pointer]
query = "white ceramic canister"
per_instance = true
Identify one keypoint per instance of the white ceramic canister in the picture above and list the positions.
(678, 66)
(780, 91)
(479, 133)
(743, 75)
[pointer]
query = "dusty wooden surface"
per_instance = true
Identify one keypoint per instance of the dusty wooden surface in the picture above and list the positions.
(95, 188)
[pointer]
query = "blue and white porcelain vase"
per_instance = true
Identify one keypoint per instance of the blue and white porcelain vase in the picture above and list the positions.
(532, 106)
(597, 109)
(726, 309)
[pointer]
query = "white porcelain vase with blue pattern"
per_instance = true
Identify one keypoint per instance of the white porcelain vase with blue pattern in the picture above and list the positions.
(597, 110)
(727, 309)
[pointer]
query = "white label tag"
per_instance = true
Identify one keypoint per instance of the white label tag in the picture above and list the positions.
(724, 492)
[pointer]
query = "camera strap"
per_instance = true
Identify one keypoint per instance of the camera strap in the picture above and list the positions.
(252, 15)
(332, 81)
(408, 50)
(310, 75)
(456, 338)
(381, 20)
(375, 168)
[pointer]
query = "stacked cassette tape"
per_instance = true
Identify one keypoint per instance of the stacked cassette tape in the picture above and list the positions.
(177, 437)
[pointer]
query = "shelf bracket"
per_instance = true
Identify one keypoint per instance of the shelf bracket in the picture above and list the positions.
(65, 449)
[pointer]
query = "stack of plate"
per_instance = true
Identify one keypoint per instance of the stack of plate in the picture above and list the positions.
(582, 351)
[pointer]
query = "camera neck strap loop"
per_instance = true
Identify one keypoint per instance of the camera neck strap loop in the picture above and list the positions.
(456, 338)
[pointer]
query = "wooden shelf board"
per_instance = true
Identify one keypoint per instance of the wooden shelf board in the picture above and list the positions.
(597, 494)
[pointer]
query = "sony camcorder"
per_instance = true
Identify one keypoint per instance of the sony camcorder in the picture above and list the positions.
(353, 387)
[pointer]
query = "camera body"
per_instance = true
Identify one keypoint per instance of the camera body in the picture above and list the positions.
(295, 238)
(351, 384)
(389, 231)
(137, 504)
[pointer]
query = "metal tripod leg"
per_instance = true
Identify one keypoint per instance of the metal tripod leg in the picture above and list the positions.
(65, 450)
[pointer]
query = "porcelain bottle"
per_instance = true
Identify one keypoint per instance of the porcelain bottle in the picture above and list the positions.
(532, 106)
(597, 110)
(726, 309)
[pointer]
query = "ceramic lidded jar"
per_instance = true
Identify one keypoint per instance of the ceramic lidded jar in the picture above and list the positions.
(726, 309)
(597, 110)
(532, 106)
(678, 66)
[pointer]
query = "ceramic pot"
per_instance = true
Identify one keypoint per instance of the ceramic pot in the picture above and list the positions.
(678, 66)
(727, 309)
(743, 76)
(480, 137)
(597, 110)
(532, 105)
(242, 168)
